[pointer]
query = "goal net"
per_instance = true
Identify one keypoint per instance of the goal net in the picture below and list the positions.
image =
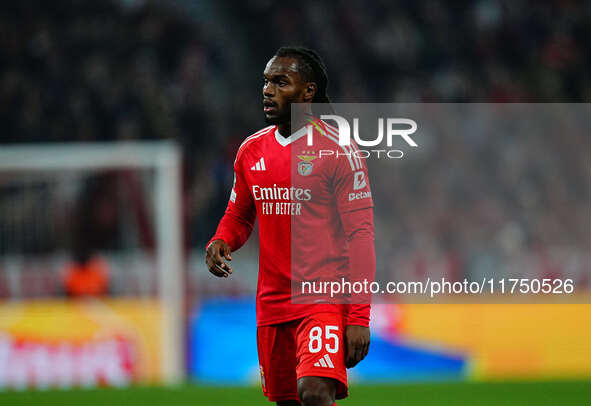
(91, 259)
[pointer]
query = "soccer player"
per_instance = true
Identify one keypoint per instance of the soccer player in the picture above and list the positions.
(304, 348)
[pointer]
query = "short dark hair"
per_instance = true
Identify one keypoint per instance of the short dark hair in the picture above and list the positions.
(311, 68)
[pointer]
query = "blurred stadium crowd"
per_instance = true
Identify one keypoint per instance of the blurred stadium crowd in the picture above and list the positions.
(497, 191)
(130, 70)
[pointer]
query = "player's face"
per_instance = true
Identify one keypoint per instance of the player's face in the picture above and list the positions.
(283, 85)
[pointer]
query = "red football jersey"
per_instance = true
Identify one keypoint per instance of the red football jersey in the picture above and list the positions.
(300, 194)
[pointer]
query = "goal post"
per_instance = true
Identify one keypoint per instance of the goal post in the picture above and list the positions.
(163, 158)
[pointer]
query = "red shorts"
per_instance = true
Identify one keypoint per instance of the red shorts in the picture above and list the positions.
(312, 346)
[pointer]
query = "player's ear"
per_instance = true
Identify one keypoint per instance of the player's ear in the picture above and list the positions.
(310, 91)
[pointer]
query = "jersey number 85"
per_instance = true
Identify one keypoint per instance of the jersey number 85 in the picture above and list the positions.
(315, 344)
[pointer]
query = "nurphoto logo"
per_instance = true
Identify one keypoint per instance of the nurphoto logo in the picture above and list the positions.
(388, 128)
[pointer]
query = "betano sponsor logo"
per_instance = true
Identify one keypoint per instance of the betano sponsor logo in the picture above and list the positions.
(359, 195)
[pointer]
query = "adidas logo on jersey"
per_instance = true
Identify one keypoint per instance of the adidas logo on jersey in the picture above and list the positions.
(324, 362)
(259, 166)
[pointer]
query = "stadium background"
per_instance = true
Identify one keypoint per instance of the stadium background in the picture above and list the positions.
(190, 72)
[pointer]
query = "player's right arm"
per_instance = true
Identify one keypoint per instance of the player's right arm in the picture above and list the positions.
(234, 227)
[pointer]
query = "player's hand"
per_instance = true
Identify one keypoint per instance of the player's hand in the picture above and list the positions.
(215, 253)
(356, 344)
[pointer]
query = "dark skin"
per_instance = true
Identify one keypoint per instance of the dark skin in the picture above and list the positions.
(284, 85)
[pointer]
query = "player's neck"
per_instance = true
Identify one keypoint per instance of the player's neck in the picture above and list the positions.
(284, 129)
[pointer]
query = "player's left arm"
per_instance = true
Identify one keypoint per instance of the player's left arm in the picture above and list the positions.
(359, 229)
(355, 206)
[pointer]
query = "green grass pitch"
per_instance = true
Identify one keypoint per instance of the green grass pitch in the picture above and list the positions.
(436, 394)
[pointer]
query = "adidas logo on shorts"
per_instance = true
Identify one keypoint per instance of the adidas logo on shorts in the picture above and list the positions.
(324, 362)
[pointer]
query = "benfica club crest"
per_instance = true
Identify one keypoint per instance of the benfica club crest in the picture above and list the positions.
(305, 165)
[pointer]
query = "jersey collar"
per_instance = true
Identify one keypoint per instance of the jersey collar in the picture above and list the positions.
(285, 141)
